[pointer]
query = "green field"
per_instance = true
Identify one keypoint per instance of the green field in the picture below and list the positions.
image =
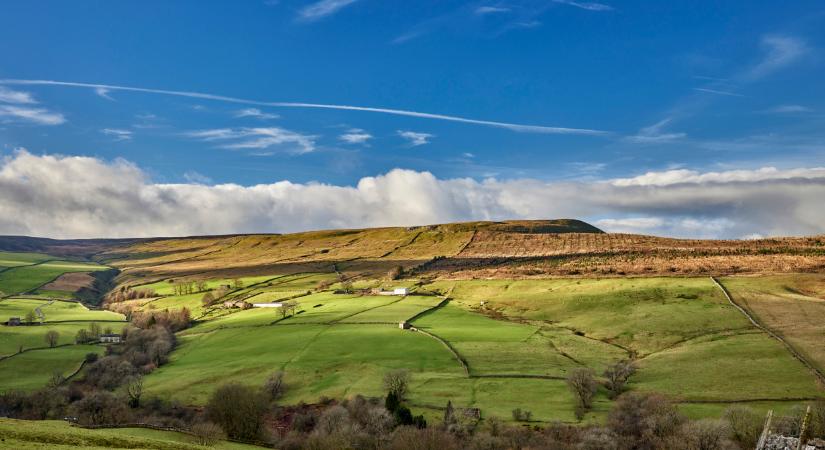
(518, 340)
(25, 278)
(53, 434)
(32, 369)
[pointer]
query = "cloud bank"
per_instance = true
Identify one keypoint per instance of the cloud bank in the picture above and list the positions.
(66, 196)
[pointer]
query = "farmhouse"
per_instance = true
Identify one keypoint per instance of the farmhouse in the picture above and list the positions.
(404, 325)
(13, 321)
(397, 291)
(267, 305)
(110, 338)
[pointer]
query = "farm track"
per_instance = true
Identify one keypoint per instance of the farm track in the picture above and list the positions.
(754, 320)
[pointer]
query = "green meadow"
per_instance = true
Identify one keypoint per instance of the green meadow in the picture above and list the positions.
(25, 278)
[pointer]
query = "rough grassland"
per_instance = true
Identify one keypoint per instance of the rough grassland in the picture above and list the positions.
(791, 306)
(53, 434)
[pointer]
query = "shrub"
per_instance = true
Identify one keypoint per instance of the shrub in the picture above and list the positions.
(207, 433)
(644, 421)
(745, 425)
(617, 376)
(706, 434)
(238, 410)
(101, 408)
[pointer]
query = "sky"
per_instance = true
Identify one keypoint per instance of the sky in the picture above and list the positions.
(168, 118)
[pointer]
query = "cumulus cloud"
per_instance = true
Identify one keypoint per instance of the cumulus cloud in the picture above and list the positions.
(257, 138)
(62, 196)
(416, 138)
(355, 136)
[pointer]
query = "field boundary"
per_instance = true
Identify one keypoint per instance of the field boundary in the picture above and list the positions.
(791, 349)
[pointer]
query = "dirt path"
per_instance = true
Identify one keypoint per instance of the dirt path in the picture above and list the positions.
(793, 351)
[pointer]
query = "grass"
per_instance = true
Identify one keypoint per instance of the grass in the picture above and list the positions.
(791, 306)
(320, 360)
(22, 279)
(33, 369)
(399, 311)
(54, 434)
(12, 259)
(644, 314)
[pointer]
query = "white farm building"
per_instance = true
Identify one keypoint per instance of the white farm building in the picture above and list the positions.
(267, 305)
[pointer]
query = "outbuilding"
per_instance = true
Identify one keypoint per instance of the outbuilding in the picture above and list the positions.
(267, 305)
(13, 321)
(399, 291)
(110, 338)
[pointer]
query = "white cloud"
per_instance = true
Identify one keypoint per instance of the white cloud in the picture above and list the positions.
(481, 10)
(355, 136)
(103, 92)
(257, 138)
(520, 128)
(118, 134)
(685, 176)
(416, 138)
(655, 134)
(323, 8)
(12, 96)
(590, 6)
(468, 155)
(88, 197)
(195, 177)
(718, 92)
(256, 113)
(780, 52)
(789, 109)
(39, 116)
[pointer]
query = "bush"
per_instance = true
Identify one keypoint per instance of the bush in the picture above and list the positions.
(617, 376)
(745, 425)
(644, 421)
(51, 338)
(706, 434)
(238, 410)
(207, 433)
(101, 408)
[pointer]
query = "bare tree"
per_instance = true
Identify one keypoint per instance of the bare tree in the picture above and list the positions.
(275, 386)
(397, 382)
(94, 330)
(237, 283)
(617, 375)
(30, 317)
(583, 385)
(201, 285)
(51, 338)
(134, 389)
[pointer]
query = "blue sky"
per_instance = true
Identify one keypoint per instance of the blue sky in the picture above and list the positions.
(611, 89)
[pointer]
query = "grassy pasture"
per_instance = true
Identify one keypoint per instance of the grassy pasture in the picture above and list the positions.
(644, 314)
(12, 259)
(399, 311)
(791, 306)
(33, 369)
(320, 360)
(55, 434)
(21, 279)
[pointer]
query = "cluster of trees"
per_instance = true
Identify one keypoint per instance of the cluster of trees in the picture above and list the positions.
(582, 383)
(125, 293)
(171, 319)
(189, 287)
(91, 333)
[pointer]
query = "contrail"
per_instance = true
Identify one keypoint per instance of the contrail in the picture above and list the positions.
(398, 112)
